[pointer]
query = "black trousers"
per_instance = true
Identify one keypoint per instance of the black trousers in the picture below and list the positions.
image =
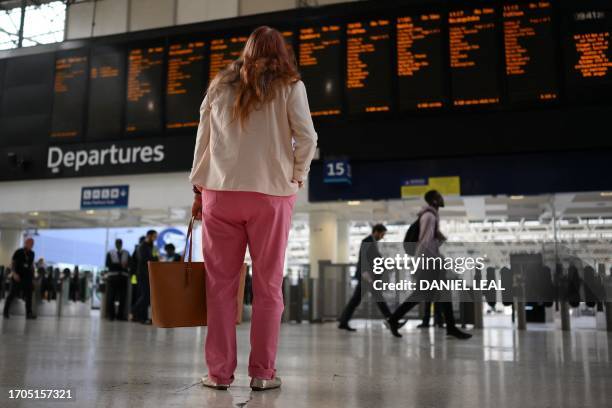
(116, 286)
(141, 308)
(355, 300)
(417, 297)
(25, 287)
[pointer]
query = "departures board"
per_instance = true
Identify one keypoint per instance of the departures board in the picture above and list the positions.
(373, 60)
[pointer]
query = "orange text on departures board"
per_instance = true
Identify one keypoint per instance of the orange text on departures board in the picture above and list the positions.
(593, 50)
(140, 61)
(64, 71)
(459, 31)
(180, 57)
(311, 43)
(222, 52)
(359, 43)
(408, 32)
(517, 56)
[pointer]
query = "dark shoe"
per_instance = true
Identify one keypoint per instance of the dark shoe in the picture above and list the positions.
(393, 326)
(458, 334)
(423, 326)
(30, 317)
(148, 322)
(346, 327)
(6, 315)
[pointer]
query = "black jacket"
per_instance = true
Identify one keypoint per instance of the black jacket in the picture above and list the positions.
(145, 254)
(367, 251)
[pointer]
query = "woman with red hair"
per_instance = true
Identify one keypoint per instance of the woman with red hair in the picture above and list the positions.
(255, 142)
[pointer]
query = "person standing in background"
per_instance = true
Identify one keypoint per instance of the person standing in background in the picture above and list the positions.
(254, 145)
(146, 252)
(171, 255)
(22, 276)
(117, 263)
(134, 271)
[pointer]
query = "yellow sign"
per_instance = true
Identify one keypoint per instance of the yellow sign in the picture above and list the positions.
(445, 185)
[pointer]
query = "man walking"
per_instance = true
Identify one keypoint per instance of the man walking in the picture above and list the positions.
(368, 251)
(117, 262)
(22, 276)
(429, 241)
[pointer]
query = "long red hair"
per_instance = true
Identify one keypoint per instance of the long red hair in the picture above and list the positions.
(265, 62)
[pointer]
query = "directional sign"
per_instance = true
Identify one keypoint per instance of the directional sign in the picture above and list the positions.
(104, 197)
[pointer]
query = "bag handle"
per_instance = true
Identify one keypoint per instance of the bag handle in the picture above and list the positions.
(188, 242)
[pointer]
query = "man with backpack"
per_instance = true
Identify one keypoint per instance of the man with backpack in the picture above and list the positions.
(424, 238)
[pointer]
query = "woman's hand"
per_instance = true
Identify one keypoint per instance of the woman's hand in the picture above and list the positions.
(196, 207)
(300, 183)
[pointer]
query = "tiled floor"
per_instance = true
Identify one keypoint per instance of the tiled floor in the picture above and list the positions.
(129, 365)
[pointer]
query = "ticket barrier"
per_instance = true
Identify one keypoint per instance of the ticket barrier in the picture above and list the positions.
(293, 295)
(75, 308)
(331, 289)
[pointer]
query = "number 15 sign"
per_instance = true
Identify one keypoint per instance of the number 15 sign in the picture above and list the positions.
(337, 171)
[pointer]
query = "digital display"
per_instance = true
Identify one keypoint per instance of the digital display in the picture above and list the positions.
(69, 94)
(474, 56)
(529, 52)
(223, 51)
(144, 90)
(27, 99)
(106, 93)
(589, 55)
(320, 62)
(368, 66)
(186, 84)
(420, 67)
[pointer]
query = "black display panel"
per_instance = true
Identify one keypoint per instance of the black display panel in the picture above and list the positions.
(474, 56)
(106, 93)
(186, 83)
(69, 94)
(320, 62)
(588, 46)
(368, 65)
(529, 46)
(27, 99)
(420, 63)
(144, 90)
(223, 51)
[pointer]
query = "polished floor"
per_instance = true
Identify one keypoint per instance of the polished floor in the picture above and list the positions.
(119, 364)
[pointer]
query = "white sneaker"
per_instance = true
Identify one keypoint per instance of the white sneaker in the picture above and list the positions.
(208, 382)
(258, 384)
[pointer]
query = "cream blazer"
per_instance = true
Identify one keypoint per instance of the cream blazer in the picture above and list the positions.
(276, 143)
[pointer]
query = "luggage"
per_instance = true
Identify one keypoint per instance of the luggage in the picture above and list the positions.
(178, 290)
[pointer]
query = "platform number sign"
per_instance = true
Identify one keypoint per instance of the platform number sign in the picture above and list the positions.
(337, 171)
(104, 197)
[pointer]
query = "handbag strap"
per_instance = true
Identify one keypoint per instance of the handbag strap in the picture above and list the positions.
(189, 240)
(188, 243)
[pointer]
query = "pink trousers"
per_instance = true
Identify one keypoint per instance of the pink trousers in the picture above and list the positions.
(231, 221)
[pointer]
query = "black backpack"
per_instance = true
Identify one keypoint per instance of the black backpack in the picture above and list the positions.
(412, 237)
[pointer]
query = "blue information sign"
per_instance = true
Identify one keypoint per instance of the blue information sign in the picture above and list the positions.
(337, 171)
(104, 197)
